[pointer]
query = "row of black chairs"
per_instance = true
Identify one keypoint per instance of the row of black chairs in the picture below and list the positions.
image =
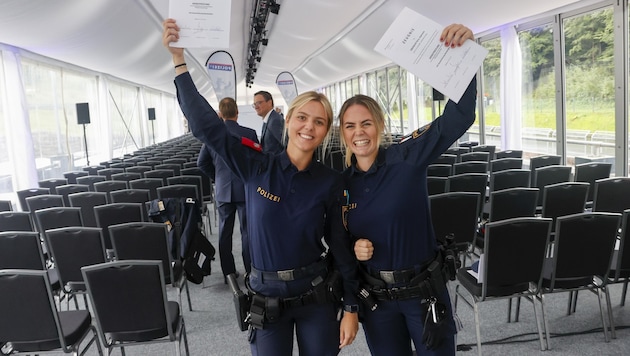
(517, 263)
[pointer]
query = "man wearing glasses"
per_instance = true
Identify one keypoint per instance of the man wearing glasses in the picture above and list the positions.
(273, 125)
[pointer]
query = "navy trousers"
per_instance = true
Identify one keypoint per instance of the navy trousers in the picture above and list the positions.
(315, 325)
(227, 215)
(390, 328)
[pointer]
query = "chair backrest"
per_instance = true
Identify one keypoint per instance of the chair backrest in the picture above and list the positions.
(562, 199)
(455, 213)
(87, 201)
(469, 182)
(174, 160)
(612, 194)
(591, 172)
(549, 175)
(126, 176)
(160, 173)
(622, 262)
(470, 167)
(23, 194)
(475, 156)
(143, 241)
(107, 172)
(15, 221)
(92, 170)
(446, 158)
(44, 201)
(149, 163)
(109, 287)
(28, 309)
(175, 167)
(53, 218)
(436, 185)
(513, 203)
(509, 154)
(116, 213)
(73, 175)
(485, 148)
(178, 191)
(122, 165)
(511, 178)
(73, 248)
(542, 161)
(138, 169)
(52, 183)
(439, 170)
(150, 184)
(191, 180)
(110, 186)
(65, 190)
(21, 250)
(206, 182)
(583, 248)
(6, 205)
(457, 151)
(90, 180)
(502, 164)
(131, 196)
(514, 253)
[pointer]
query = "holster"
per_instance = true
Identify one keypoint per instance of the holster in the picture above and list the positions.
(242, 302)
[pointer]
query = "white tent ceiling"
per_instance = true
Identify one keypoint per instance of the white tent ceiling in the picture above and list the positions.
(319, 41)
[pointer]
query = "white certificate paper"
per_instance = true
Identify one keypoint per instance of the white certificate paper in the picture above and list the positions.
(413, 42)
(202, 23)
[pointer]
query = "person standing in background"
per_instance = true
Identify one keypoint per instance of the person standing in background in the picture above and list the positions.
(273, 124)
(230, 191)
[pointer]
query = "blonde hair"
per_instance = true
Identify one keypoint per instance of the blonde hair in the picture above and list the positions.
(377, 114)
(302, 100)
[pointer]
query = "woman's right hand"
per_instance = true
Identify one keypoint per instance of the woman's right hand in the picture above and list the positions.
(363, 249)
(171, 34)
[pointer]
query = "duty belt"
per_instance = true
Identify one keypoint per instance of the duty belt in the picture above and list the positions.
(394, 277)
(291, 274)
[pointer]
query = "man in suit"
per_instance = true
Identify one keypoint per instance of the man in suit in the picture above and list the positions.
(273, 123)
(230, 192)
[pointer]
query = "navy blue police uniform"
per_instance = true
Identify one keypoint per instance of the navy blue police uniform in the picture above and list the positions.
(230, 198)
(389, 206)
(292, 216)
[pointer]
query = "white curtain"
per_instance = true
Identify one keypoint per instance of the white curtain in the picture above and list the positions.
(511, 84)
(18, 128)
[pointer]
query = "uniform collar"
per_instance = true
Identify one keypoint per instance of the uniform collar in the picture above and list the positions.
(285, 162)
(380, 160)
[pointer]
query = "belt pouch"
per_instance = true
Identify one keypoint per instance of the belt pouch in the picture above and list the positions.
(257, 312)
(272, 306)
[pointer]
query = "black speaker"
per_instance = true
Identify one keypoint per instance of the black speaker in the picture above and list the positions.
(151, 113)
(83, 113)
(437, 95)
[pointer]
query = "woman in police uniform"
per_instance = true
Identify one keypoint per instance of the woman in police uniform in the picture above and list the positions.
(388, 214)
(292, 202)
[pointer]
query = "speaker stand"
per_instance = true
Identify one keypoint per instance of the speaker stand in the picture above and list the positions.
(87, 157)
(153, 131)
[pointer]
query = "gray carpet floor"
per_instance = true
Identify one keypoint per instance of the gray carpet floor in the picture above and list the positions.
(212, 328)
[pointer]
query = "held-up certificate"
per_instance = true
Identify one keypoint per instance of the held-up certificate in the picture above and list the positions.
(202, 23)
(413, 42)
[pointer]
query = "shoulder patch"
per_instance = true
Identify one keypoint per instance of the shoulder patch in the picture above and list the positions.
(421, 131)
(251, 144)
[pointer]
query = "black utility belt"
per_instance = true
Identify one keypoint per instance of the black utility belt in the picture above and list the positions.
(291, 274)
(399, 276)
(402, 293)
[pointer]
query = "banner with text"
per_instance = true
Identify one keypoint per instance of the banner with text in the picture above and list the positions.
(220, 67)
(286, 85)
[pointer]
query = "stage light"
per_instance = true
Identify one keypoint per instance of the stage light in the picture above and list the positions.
(274, 8)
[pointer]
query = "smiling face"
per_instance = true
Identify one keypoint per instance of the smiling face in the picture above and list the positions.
(307, 127)
(361, 134)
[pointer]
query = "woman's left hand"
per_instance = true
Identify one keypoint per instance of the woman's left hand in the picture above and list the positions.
(348, 329)
(455, 35)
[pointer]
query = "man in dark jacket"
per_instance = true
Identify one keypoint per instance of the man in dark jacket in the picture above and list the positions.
(230, 192)
(273, 123)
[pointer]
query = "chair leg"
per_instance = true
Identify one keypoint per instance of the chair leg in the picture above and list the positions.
(509, 313)
(538, 326)
(477, 328)
(575, 296)
(623, 292)
(545, 322)
(188, 295)
(185, 338)
(518, 309)
(601, 312)
(613, 333)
